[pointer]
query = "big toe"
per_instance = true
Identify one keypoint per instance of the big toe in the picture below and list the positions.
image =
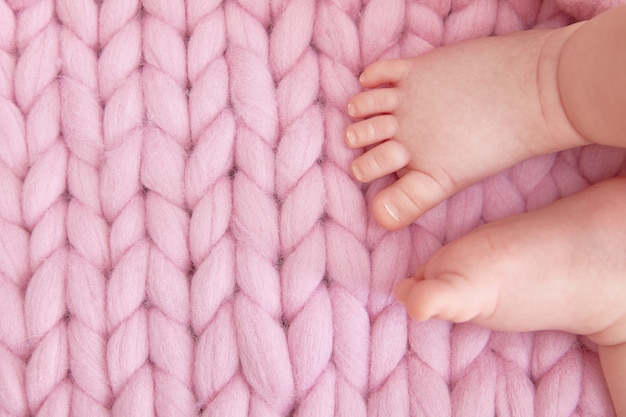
(447, 297)
(408, 198)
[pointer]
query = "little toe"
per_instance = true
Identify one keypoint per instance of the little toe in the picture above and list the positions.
(373, 102)
(384, 159)
(371, 131)
(384, 72)
(405, 200)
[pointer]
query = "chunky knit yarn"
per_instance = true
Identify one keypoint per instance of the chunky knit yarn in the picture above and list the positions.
(180, 234)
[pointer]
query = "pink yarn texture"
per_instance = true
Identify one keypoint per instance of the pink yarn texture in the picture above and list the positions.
(180, 234)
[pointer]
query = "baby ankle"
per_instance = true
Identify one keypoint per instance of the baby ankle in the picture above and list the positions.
(566, 136)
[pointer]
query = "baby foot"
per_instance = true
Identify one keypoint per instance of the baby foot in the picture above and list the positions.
(455, 115)
(561, 267)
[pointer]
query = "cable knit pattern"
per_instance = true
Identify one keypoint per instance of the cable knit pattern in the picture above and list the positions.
(166, 145)
(15, 270)
(180, 233)
(44, 206)
(216, 374)
(258, 310)
(124, 207)
(87, 229)
(300, 191)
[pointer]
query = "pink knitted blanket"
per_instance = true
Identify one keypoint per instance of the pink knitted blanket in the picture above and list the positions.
(180, 235)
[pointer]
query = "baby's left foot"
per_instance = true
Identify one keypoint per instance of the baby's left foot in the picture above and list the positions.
(562, 267)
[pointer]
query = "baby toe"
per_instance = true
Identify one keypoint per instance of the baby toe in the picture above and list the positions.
(373, 102)
(384, 159)
(447, 297)
(428, 299)
(371, 131)
(408, 198)
(384, 72)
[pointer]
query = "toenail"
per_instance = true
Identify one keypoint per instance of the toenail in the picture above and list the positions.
(357, 173)
(362, 78)
(351, 137)
(392, 211)
(351, 109)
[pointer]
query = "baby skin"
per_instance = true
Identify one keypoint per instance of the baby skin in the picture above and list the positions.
(453, 116)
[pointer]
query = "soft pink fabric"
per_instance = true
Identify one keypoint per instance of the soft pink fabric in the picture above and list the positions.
(180, 234)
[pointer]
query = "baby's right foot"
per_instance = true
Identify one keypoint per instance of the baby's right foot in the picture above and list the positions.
(561, 267)
(456, 115)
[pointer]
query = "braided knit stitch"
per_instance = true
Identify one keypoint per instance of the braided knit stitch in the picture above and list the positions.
(15, 270)
(87, 230)
(124, 206)
(44, 209)
(216, 374)
(261, 337)
(300, 192)
(180, 233)
(166, 145)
